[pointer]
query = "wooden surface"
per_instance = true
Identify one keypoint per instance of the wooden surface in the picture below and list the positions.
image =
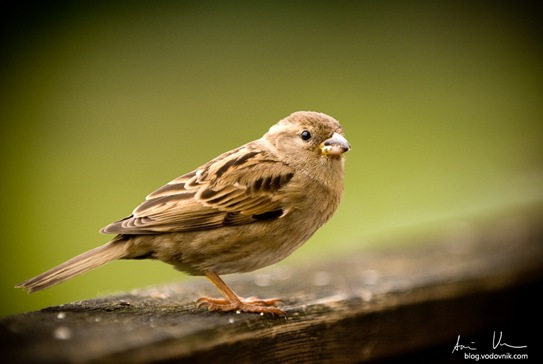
(412, 301)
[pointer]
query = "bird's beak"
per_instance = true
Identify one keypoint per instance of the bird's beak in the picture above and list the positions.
(335, 146)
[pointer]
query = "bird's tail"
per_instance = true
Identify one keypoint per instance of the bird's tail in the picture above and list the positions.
(115, 249)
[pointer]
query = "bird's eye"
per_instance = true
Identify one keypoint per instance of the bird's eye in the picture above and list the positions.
(305, 135)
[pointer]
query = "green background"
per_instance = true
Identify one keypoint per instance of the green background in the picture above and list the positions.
(101, 104)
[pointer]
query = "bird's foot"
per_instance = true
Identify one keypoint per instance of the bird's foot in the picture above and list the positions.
(252, 305)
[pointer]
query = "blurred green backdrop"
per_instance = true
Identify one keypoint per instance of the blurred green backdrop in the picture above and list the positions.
(101, 104)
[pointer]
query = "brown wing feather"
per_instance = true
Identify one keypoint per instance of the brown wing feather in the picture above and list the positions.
(238, 187)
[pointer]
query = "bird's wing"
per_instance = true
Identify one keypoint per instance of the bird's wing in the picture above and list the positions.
(239, 187)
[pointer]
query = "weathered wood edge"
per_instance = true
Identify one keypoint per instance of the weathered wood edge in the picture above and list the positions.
(371, 306)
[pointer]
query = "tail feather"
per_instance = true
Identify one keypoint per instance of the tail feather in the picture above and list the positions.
(80, 264)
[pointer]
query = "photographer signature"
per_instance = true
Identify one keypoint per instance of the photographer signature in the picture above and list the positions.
(496, 342)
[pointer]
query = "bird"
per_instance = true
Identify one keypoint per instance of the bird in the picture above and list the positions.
(244, 210)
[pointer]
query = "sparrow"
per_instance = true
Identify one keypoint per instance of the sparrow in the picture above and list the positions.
(243, 210)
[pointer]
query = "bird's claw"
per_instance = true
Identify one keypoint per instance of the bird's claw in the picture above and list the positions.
(251, 305)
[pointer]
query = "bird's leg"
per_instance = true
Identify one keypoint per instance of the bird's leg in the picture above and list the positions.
(233, 302)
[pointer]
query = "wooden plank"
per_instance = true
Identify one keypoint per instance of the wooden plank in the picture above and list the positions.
(371, 305)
